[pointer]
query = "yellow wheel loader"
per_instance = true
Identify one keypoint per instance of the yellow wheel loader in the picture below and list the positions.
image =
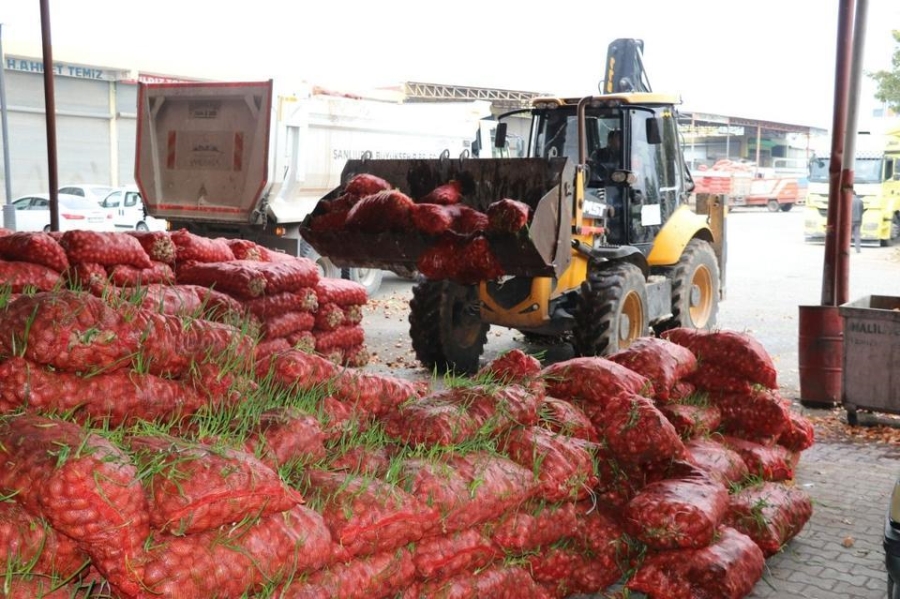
(612, 250)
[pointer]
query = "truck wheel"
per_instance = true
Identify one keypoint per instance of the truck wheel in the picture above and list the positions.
(326, 267)
(773, 206)
(445, 326)
(695, 288)
(894, 234)
(786, 207)
(370, 278)
(611, 311)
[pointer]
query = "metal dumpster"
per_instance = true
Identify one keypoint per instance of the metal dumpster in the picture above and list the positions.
(871, 355)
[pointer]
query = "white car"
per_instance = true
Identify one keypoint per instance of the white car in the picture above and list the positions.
(32, 213)
(91, 192)
(127, 211)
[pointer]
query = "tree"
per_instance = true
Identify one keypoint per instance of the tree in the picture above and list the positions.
(889, 81)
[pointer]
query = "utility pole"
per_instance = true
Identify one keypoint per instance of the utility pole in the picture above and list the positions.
(9, 212)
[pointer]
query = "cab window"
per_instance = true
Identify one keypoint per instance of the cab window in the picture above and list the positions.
(131, 199)
(113, 200)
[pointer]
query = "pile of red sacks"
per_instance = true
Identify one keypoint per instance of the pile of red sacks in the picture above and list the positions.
(666, 467)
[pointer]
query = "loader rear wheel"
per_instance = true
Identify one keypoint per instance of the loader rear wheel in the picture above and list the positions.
(611, 311)
(695, 288)
(445, 326)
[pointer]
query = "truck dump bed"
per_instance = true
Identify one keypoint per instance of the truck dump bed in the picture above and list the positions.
(203, 150)
(543, 248)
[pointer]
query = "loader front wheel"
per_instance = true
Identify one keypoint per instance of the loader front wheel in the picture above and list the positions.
(611, 312)
(445, 326)
(695, 288)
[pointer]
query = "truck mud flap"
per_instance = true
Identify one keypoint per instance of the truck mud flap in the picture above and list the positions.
(545, 185)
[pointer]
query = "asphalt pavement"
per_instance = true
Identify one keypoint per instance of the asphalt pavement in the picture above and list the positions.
(771, 271)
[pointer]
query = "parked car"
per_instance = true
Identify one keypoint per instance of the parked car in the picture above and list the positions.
(75, 212)
(89, 191)
(128, 213)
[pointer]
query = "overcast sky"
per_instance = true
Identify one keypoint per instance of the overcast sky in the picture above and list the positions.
(765, 59)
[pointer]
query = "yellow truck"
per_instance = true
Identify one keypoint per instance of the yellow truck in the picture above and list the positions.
(876, 168)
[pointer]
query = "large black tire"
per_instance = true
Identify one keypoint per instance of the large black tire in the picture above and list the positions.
(611, 311)
(695, 288)
(445, 326)
(894, 234)
(786, 207)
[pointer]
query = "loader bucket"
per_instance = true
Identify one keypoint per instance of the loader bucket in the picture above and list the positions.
(545, 185)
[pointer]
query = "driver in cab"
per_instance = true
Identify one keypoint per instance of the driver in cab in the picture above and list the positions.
(607, 157)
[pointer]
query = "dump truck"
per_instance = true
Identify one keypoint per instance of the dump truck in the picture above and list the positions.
(229, 159)
(611, 251)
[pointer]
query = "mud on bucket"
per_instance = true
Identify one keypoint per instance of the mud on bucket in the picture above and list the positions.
(820, 356)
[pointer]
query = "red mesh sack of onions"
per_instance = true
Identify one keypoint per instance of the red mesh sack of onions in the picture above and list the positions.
(71, 331)
(692, 421)
(90, 277)
(496, 580)
(343, 337)
(244, 249)
(104, 248)
(678, 513)
(514, 366)
(769, 513)
(432, 421)
(564, 465)
(29, 543)
(384, 574)
(635, 431)
(368, 515)
(663, 362)
(507, 216)
(239, 279)
(194, 487)
(712, 378)
(51, 466)
(535, 524)
(171, 347)
(273, 304)
(568, 570)
(729, 568)
(189, 300)
(431, 219)
(464, 261)
(365, 184)
(467, 489)
(295, 369)
(719, 462)
(124, 275)
(158, 245)
(799, 435)
(284, 435)
(329, 317)
(441, 260)
(566, 418)
(374, 394)
(757, 415)
(283, 325)
(194, 248)
(442, 556)
(37, 248)
(382, 211)
(36, 586)
(292, 275)
(735, 351)
(118, 398)
(341, 292)
(467, 221)
(775, 463)
(593, 380)
(18, 277)
(444, 195)
(239, 559)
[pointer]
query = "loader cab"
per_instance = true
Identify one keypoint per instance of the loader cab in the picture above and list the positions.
(642, 179)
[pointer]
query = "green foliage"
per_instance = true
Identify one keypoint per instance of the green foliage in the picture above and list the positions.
(888, 82)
